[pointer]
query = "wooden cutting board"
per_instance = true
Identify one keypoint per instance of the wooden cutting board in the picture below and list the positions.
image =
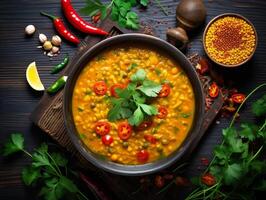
(48, 115)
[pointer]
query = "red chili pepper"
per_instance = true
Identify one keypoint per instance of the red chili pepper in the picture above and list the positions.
(80, 24)
(213, 90)
(61, 29)
(208, 179)
(238, 98)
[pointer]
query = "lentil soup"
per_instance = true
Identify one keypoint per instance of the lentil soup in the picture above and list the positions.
(158, 135)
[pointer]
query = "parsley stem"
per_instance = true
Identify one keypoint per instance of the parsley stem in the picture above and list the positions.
(79, 192)
(263, 126)
(56, 166)
(162, 7)
(256, 154)
(26, 152)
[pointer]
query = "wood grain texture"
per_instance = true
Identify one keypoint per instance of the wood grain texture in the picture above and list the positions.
(17, 100)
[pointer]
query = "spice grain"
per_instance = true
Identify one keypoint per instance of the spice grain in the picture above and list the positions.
(230, 40)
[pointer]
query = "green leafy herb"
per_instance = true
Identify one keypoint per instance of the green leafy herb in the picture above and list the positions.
(120, 11)
(237, 165)
(48, 170)
(15, 144)
(132, 101)
(259, 107)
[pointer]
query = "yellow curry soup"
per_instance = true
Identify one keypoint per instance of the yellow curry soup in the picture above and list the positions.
(157, 136)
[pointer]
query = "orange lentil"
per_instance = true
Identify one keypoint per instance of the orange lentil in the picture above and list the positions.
(230, 40)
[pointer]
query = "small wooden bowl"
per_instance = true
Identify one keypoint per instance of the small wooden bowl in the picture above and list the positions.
(232, 15)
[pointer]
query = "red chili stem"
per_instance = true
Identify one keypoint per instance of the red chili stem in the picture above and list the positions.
(76, 21)
(50, 16)
(61, 29)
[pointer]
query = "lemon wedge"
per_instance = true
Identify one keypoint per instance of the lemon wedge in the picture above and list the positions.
(33, 77)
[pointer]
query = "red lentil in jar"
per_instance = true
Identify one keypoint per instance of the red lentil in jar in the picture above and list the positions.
(230, 40)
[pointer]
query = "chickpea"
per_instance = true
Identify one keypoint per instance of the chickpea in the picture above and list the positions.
(114, 157)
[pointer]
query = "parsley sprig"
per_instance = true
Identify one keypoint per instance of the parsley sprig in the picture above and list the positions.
(132, 102)
(121, 11)
(237, 165)
(47, 169)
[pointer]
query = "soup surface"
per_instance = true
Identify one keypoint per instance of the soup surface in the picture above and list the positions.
(160, 132)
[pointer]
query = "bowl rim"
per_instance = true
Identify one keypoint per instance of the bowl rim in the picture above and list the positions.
(133, 170)
(233, 15)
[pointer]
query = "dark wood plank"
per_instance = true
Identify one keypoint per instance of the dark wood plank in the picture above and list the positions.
(17, 100)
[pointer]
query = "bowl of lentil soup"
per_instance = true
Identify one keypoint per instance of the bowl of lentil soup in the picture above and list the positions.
(230, 40)
(133, 105)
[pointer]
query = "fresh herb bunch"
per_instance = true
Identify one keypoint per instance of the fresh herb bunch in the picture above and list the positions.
(132, 101)
(238, 169)
(121, 11)
(47, 169)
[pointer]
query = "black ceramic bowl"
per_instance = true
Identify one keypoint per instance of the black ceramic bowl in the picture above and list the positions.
(143, 40)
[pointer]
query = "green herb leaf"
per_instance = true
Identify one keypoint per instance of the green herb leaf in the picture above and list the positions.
(259, 107)
(232, 173)
(150, 88)
(248, 131)
(59, 159)
(136, 118)
(92, 8)
(132, 20)
(40, 157)
(139, 76)
(68, 184)
(144, 2)
(14, 144)
(149, 109)
(30, 175)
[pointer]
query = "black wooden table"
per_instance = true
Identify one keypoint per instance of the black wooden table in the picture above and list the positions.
(17, 99)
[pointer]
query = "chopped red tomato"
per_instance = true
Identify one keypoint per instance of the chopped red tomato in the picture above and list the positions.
(124, 131)
(114, 87)
(144, 125)
(208, 179)
(143, 156)
(238, 98)
(100, 88)
(150, 138)
(213, 90)
(162, 112)
(102, 128)
(165, 91)
(107, 140)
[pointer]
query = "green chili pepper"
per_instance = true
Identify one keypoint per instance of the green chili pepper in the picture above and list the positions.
(60, 66)
(57, 85)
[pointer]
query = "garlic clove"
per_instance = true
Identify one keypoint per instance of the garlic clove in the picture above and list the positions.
(30, 29)
(56, 40)
(55, 49)
(42, 38)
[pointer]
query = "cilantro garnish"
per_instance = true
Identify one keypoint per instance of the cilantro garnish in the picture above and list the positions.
(48, 170)
(121, 11)
(132, 101)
